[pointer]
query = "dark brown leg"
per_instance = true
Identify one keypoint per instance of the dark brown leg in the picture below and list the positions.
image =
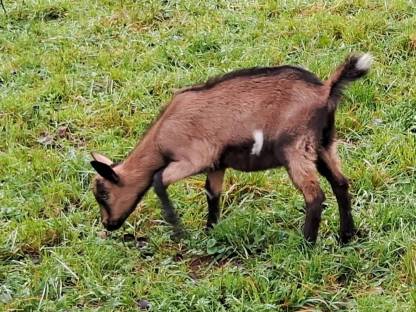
(328, 166)
(169, 212)
(162, 179)
(303, 173)
(213, 187)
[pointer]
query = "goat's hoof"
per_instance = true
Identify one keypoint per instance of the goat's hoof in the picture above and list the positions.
(310, 236)
(310, 239)
(178, 234)
(208, 227)
(345, 238)
(310, 242)
(359, 234)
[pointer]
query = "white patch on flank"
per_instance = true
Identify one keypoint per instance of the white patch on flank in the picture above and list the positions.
(364, 62)
(210, 196)
(258, 142)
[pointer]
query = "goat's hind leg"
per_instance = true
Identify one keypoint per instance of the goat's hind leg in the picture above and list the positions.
(303, 173)
(213, 187)
(328, 166)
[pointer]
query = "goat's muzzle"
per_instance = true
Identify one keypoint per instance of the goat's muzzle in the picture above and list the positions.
(112, 225)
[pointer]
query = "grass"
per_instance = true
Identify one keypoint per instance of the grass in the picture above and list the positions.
(80, 76)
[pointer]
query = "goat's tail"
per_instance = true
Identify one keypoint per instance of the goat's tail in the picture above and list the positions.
(352, 69)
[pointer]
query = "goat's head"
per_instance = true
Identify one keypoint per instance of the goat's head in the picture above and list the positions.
(115, 195)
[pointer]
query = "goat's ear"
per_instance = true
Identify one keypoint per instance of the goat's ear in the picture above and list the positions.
(101, 158)
(105, 171)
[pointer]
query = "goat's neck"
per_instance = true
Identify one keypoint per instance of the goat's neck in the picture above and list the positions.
(142, 163)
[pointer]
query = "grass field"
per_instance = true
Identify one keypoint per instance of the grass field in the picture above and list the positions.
(79, 76)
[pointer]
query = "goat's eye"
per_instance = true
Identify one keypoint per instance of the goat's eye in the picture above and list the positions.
(104, 196)
(102, 193)
(101, 197)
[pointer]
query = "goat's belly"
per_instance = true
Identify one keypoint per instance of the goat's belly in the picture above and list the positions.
(241, 158)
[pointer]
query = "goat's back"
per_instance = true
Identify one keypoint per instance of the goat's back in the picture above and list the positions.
(227, 112)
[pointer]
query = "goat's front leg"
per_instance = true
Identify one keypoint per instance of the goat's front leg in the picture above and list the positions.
(162, 179)
(169, 212)
(304, 176)
(213, 187)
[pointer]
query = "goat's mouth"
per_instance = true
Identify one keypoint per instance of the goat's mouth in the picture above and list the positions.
(113, 224)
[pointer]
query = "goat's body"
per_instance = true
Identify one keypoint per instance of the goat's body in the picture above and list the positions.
(249, 120)
(219, 133)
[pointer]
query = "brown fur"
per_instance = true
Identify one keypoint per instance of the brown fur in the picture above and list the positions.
(209, 127)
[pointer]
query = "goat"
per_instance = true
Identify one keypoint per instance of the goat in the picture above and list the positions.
(249, 120)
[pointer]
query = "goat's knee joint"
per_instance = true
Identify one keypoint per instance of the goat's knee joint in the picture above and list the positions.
(343, 182)
(315, 199)
(320, 197)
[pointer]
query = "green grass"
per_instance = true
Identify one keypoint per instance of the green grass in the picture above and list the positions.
(81, 76)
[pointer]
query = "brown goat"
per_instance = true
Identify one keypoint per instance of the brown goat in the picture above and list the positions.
(249, 120)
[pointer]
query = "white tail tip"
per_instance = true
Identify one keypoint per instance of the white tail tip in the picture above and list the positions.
(364, 62)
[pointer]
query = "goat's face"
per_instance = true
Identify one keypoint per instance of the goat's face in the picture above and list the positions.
(117, 200)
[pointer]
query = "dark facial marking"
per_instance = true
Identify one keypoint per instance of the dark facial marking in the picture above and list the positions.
(101, 195)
